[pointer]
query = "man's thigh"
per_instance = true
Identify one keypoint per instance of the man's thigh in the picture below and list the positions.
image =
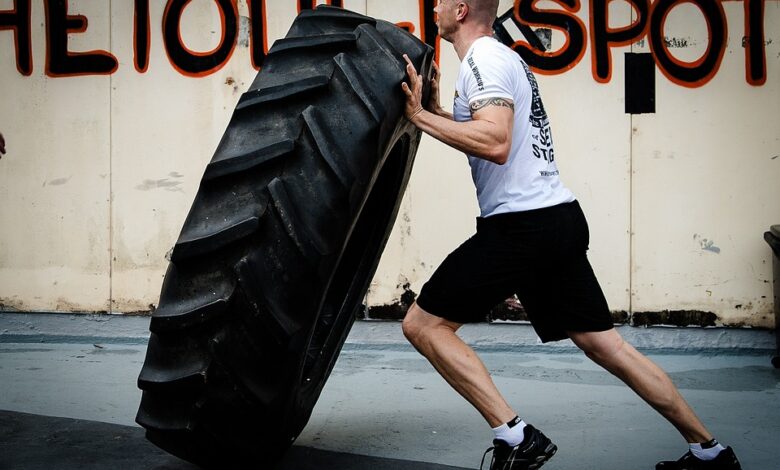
(565, 296)
(470, 281)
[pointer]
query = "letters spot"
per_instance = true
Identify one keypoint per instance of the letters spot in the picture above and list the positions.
(603, 37)
(566, 21)
(689, 74)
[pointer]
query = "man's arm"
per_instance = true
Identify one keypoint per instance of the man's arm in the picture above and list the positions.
(2, 145)
(488, 135)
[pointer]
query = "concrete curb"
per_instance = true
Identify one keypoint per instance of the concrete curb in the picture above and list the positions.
(499, 336)
(73, 328)
(521, 336)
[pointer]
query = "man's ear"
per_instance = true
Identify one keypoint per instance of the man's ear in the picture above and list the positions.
(463, 11)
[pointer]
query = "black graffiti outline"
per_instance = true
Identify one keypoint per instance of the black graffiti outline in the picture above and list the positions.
(193, 63)
(60, 61)
(19, 20)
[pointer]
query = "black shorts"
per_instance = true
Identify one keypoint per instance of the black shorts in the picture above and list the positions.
(540, 255)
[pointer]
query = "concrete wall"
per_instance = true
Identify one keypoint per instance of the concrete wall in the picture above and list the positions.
(105, 152)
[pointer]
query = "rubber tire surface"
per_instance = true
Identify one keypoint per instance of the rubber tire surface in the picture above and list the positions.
(282, 240)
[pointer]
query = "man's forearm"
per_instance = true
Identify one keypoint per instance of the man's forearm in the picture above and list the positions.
(443, 113)
(479, 138)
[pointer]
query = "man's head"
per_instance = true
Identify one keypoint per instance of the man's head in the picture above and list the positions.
(452, 15)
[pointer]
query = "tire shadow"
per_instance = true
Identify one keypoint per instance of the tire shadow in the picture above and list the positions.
(35, 442)
(307, 458)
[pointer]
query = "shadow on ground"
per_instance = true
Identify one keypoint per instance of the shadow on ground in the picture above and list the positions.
(35, 442)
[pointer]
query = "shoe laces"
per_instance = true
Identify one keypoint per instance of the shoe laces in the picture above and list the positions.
(492, 459)
(687, 457)
(507, 463)
(689, 462)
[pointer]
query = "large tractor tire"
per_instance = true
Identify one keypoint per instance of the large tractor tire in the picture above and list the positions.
(283, 238)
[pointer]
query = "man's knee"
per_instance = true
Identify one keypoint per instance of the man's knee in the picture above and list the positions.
(419, 324)
(602, 346)
(412, 324)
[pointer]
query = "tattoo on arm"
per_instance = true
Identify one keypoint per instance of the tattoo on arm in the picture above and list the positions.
(479, 104)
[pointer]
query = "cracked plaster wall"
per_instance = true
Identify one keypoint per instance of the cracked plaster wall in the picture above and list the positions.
(101, 170)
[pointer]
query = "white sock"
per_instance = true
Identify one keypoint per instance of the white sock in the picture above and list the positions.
(511, 432)
(706, 450)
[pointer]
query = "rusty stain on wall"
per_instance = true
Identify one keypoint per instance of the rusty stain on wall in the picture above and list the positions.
(395, 310)
(674, 317)
(509, 310)
(57, 181)
(230, 81)
(132, 307)
(706, 244)
(544, 35)
(14, 304)
(244, 27)
(164, 183)
(679, 43)
(672, 42)
(746, 41)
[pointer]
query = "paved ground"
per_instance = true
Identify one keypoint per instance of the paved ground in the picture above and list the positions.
(34, 442)
(385, 408)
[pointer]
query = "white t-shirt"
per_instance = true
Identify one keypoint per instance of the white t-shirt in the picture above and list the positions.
(529, 179)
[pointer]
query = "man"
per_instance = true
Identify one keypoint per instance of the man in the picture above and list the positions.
(531, 240)
(2, 145)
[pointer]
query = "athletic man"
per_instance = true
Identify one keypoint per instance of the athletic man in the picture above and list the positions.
(531, 240)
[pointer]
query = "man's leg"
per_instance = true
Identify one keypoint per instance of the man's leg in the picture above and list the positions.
(435, 339)
(517, 445)
(650, 382)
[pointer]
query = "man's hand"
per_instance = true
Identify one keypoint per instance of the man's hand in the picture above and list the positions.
(413, 91)
(2, 145)
(434, 105)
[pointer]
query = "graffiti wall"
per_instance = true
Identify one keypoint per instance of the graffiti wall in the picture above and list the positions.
(663, 112)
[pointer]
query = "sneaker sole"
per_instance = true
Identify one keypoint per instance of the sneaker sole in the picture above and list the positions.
(542, 459)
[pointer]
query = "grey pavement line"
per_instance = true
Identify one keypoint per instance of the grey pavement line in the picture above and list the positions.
(68, 339)
(502, 336)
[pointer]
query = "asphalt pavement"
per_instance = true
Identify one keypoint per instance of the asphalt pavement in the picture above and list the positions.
(70, 400)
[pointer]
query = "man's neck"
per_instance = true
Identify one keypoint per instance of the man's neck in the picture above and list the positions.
(465, 37)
